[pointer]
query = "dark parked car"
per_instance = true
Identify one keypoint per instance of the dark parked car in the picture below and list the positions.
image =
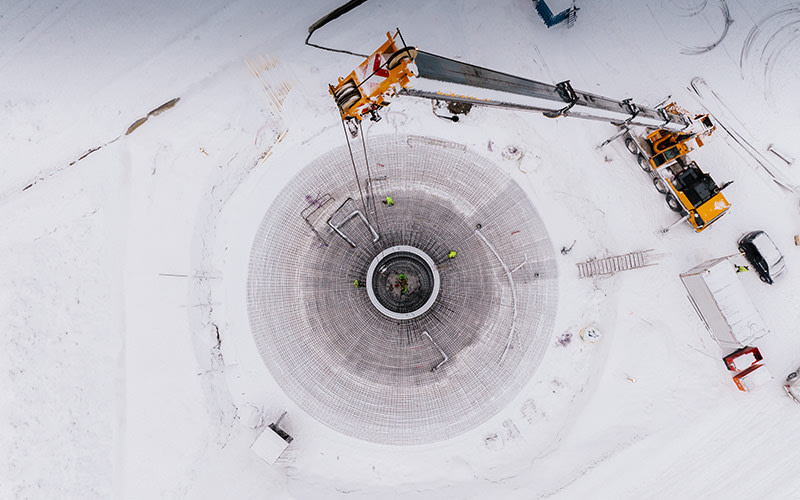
(763, 255)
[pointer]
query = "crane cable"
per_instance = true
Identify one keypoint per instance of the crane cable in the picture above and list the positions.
(355, 171)
(334, 14)
(370, 179)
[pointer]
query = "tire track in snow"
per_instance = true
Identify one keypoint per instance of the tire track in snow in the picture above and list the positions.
(690, 7)
(718, 454)
(728, 20)
(693, 10)
(736, 130)
(35, 19)
(726, 444)
(773, 34)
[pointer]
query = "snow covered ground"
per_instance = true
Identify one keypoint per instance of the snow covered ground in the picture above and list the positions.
(129, 370)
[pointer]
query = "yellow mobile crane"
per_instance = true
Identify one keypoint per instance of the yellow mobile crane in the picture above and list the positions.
(394, 67)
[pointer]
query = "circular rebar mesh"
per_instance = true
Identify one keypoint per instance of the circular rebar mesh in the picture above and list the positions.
(387, 380)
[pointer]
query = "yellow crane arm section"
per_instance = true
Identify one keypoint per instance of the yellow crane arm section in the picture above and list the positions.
(368, 87)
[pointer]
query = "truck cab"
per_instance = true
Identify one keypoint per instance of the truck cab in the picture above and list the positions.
(698, 194)
(688, 190)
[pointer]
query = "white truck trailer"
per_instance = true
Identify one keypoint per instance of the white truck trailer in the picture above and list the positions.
(723, 304)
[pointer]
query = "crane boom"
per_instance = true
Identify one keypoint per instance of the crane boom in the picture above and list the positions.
(393, 69)
(662, 152)
(442, 69)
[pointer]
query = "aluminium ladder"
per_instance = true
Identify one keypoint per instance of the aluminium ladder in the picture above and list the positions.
(615, 264)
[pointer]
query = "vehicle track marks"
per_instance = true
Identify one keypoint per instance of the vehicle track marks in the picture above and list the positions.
(737, 427)
(725, 118)
(767, 41)
(728, 20)
(24, 22)
(697, 10)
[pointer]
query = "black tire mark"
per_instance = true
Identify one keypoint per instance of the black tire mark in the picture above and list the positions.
(769, 63)
(693, 10)
(738, 138)
(756, 30)
(726, 14)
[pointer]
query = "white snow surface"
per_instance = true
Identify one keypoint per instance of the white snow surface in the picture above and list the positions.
(128, 367)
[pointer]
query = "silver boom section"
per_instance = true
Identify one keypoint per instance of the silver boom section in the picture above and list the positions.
(574, 103)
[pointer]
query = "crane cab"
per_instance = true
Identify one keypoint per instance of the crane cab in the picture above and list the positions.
(668, 146)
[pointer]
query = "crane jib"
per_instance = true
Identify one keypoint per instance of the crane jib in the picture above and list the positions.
(433, 67)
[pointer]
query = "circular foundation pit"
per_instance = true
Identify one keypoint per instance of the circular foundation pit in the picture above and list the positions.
(402, 282)
(407, 322)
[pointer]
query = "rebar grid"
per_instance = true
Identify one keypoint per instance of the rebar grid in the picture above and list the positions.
(363, 373)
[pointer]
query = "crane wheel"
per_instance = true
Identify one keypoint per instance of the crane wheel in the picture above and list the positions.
(661, 186)
(631, 145)
(396, 58)
(673, 203)
(643, 163)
